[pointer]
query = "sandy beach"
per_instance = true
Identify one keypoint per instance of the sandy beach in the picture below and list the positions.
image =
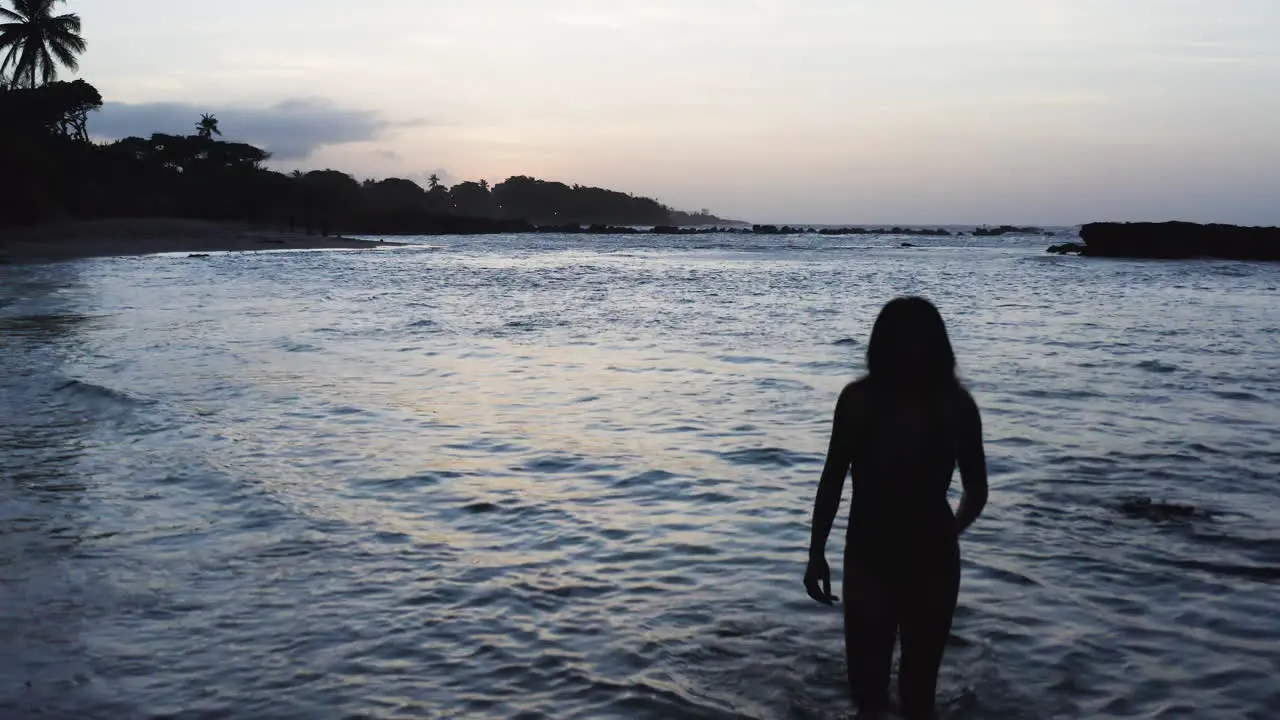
(69, 240)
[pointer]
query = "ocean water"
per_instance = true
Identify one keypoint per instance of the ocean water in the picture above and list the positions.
(571, 477)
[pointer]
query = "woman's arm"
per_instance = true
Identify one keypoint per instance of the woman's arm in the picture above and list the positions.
(972, 460)
(831, 484)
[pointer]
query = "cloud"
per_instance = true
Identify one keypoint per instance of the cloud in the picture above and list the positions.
(290, 130)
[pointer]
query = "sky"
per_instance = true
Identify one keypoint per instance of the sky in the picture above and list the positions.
(1051, 112)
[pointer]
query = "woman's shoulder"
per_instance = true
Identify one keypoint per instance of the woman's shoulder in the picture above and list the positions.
(855, 391)
(858, 393)
(854, 401)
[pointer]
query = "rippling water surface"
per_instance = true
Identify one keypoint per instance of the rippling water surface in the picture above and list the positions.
(571, 478)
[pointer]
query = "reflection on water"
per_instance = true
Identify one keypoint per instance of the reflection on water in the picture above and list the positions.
(571, 477)
(40, 327)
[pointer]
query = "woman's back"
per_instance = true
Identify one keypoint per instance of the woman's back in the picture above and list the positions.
(902, 460)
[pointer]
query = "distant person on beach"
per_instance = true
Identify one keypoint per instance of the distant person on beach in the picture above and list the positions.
(902, 429)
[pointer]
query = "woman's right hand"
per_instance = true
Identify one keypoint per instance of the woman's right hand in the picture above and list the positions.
(817, 580)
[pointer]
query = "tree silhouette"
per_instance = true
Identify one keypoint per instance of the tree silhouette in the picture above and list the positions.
(433, 182)
(471, 199)
(37, 41)
(207, 127)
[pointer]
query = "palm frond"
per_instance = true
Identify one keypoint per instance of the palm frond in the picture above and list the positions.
(9, 57)
(27, 61)
(65, 56)
(7, 39)
(8, 14)
(69, 22)
(74, 43)
(48, 68)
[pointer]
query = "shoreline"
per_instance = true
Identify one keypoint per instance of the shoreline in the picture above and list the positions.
(66, 240)
(125, 237)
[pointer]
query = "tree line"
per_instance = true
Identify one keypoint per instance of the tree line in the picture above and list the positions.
(51, 168)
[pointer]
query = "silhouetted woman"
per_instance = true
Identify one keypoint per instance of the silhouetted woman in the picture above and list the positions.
(902, 428)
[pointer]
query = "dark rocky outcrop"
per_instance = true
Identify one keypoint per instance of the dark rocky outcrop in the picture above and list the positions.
(1006, 230)
(1175, 240)
(1065, 248)
(809, 230)
(601, 229)
(1148, 509)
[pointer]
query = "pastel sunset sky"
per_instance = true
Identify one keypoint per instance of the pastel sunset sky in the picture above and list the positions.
(861, 111)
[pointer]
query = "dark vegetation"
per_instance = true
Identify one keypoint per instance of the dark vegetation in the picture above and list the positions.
(51, 169)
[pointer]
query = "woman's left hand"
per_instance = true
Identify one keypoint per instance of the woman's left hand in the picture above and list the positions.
(817, 580)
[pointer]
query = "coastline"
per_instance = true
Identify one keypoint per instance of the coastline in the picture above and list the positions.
(119, 237)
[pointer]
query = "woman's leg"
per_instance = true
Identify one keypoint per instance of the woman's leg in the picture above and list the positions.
(870, 629)
(928, 604)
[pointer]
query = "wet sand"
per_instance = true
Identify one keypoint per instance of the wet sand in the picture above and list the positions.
(70, 240)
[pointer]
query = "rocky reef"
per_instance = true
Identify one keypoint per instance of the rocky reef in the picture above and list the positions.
(1007, 230)
(1178, 240)
(602, 229)
(1066, 248)
(576, 228)
(1147, 509)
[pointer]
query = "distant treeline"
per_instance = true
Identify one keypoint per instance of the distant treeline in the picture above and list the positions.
(49, 168)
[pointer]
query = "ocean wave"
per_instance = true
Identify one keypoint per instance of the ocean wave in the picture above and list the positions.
(541, 477)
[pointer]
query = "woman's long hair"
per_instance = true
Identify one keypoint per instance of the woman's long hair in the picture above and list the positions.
(910, 351)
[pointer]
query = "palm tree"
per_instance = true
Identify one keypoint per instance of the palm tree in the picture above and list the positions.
(38, 41)
(208, 126)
